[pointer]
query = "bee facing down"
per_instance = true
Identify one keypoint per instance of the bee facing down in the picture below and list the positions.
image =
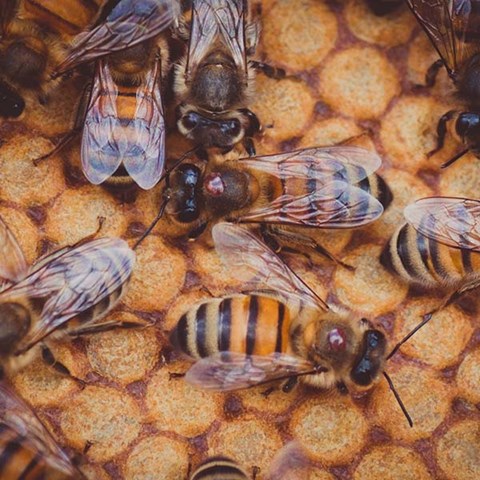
(438, 246)
(27, 450)
(331, 187)
(214, 82)
(121, 113)
(64, 293)
(33, 39)
(452, 27)
(282, 330)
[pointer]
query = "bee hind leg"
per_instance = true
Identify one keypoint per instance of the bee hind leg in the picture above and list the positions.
(106, 326)
(270, 71)
(49, 358)
(431, 75)
(441, 131)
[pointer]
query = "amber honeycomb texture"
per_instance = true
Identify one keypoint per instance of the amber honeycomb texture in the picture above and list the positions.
(350, 73)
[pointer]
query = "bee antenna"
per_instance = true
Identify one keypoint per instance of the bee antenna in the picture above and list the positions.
(152, 225)
(425, 320)
(168, 171)
(398, 399)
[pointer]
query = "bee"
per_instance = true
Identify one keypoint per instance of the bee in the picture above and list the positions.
(213, 83)
(332, 187)
(220, 468)
(62, 294)
(121, 112)
(384, 7)
(438, 246)
(452, 28)
(281, 330)
(27, 450)
(33, 39)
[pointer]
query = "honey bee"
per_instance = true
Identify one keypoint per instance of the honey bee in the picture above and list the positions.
(121, 112)
(280, 331)
(332, 187)
(27, 450)
(220, 468)
(33, 39)
(384, 7)
(438, 246)
(63, 293)
(453, 30)
(214, 81)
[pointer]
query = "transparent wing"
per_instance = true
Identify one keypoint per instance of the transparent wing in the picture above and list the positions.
(214, 22)
(100, 143)
(253, 261)
(290, 463)
(455, 222)
(73, 282)
(232, 371)
(130, 22)
(13, 266)
(348, 163)
(335, 204)
(21, 419)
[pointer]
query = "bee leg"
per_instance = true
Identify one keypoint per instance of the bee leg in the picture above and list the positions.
(105, 327)
(255, 472)
(197, 231)
(268, 70)
(441, 131)
(172, 375)
(249, 146)
(431, 75)
(289, 384)
(266, 393)
(51, 361)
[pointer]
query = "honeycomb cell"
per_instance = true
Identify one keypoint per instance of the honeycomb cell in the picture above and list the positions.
(251, 442)
(105, 417)
(468, 377)
(462, 178)
(275, 403)
(359, 82)
(386, 31)
(76, 214)
(458, 451)
(178, 407)
(157, 457)
(299, 34)
(392, 463)
(449, 328)
(426, 397)
(331, 429)
(369, 288)
(284, 107)
(158, 276)
(123, 355)
(329, 132)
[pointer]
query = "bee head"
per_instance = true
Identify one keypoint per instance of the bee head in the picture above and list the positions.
(185, 203)
(14, 324)
(370, 359)
(23, 63)
(11, 103)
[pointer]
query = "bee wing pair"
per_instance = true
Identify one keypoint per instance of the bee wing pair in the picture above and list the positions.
(72, 279)
(217, 20)
(17, 416)
(448, 25)
(334, 200)
(454, 222)
(253, 261)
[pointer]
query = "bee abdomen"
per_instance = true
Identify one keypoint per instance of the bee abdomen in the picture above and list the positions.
(219, 468)
(249, 324)
(376, 186)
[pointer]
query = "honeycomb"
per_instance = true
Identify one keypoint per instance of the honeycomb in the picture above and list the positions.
(350, 72)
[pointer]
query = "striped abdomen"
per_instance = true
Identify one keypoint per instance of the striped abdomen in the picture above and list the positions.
(418, 259)
(251, 324)
(19, 461)
(219, 468)
(65, 16)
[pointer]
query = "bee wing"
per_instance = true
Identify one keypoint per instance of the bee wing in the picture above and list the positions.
(289, 463)
(343, 162)
(130, 22)
(100, 143)
(448, 25)
(334, 204)
(212, 21)
(21, 419)
(232, 371)
(145, 158)
(455, 222)
(253, 261)
(13, 266)
(73, 282)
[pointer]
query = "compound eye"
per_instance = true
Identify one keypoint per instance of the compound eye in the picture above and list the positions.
(190, 120)
(214, 184)
(231, 127)
(337, 340)
(11, 104)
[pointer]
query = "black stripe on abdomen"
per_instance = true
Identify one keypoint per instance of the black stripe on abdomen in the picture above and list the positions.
(467, 260)
(201, 330)
(252, 324)
(224, 324)
(219, 471)
(281, 318)
(8, 452)
(404, 253)
(30, 467)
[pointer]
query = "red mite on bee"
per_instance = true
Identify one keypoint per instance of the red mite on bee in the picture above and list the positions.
(452, 27)
(330, 187)
(280, 331)
(121, 112)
